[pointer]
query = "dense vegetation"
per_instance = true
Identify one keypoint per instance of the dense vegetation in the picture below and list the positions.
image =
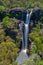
(10, 37)
(8, 53)
(9, 41)
(21, 3)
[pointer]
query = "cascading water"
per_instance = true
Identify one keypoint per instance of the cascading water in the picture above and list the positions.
(26, 33)
(21, 29)
(24, 30)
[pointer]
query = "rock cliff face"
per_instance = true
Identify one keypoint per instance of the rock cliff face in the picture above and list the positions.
(21, 14)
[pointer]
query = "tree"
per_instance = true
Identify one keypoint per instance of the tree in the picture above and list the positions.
(8, 22)
(8, 53)
(2, 8)
(23, 4)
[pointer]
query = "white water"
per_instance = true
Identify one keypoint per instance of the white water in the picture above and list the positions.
(26, 30)
(22, 55)
(26, 34)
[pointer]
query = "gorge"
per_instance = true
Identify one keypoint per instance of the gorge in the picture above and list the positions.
(21, 32)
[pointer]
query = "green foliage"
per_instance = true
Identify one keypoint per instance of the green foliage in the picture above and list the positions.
(40, 62)
(8, 53)
(2, 36)
(34, 50)
(23, 4)
(28, 63)
(8, 22)
(2, 33)
(2, 8)
(37, 37)
(9, 39)
(15, 63)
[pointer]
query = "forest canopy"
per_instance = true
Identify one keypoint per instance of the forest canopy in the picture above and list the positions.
(21, 3)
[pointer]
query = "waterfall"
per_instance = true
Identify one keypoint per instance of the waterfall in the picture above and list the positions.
(26, 33)
(26, 30)
(21, 29)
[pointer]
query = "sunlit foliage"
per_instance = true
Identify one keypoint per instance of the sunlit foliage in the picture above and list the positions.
(8, 53)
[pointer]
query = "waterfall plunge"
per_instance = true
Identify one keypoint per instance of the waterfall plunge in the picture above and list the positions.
(26, 33)
(26, 30)
(22, 55)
